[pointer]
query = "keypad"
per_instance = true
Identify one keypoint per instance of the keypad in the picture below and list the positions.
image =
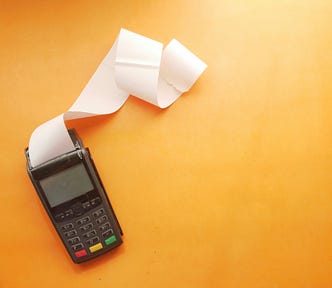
(90, 233)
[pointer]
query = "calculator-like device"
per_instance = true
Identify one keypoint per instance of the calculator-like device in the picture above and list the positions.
(74, 197)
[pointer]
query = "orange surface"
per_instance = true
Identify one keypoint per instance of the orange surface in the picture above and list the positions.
(229, 187)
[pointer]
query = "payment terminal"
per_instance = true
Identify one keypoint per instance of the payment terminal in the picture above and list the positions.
(74, 197)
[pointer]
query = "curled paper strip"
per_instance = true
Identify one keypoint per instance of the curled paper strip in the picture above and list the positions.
(135, 65)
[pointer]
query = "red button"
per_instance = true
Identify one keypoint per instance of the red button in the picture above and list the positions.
(80, 253)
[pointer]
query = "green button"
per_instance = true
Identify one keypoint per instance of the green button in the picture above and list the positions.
(110, 240)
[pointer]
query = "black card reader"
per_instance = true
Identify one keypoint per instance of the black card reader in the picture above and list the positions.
(74, 197)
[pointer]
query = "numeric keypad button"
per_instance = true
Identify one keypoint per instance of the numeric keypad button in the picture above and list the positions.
(90, 234)
(67, 227)
(74, 240)
(92, 241)
(77, 247)
(107, 233)
(99, 212)
(71, 233)
(105, 226)
(86, 227)
(83, 220)
(101, 219)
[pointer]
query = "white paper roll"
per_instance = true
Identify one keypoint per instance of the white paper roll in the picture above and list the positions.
(135, 65)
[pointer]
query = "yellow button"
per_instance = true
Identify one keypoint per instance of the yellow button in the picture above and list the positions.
(96, 247)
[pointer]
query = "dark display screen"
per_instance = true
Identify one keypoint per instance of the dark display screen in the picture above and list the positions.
(66, 185)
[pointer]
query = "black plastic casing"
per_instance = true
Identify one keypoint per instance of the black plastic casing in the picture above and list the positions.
(94, 207)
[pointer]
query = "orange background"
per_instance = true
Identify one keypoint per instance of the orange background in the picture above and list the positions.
(229, 187)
